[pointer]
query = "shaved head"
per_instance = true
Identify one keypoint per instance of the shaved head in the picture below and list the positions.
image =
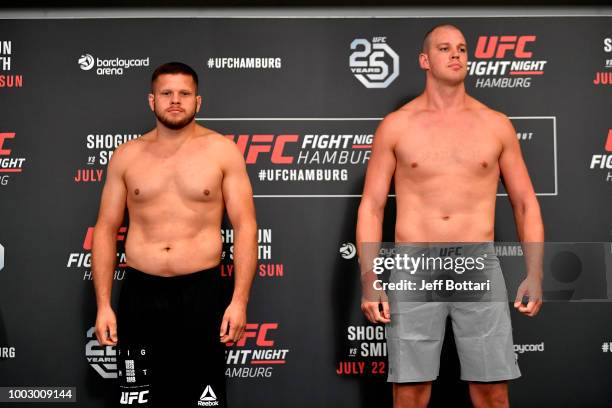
(427, 38)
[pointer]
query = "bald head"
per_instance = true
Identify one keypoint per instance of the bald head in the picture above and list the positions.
(429, 35)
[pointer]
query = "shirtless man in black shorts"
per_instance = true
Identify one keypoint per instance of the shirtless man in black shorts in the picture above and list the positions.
(177, 181)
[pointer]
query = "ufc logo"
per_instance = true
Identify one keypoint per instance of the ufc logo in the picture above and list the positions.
(450, 251)
(88, 241)
(128, 398)
(609, 141)
(257, 332)
(265, 144)
(487, 47)
(3, 137)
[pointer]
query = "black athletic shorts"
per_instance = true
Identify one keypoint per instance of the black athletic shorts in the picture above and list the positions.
(169, 354)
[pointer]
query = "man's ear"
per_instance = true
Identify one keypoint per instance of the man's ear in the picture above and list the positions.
(424, 61)
(152, 102)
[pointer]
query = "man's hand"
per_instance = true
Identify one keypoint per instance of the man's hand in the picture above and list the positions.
(106, 327)
(234, 318)
(371, 310)
(532, 288)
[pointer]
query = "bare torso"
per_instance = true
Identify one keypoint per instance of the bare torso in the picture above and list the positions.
(175, 204)
(446, 174)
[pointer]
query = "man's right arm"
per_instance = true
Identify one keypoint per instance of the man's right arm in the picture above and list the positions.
(371, 212)
(104, 251)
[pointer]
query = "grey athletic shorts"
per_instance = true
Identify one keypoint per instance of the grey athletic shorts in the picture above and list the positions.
(482, 328)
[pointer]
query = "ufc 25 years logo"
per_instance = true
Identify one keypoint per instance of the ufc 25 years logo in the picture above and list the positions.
(374, 63)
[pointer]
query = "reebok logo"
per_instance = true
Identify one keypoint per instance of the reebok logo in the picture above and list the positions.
(208, 398)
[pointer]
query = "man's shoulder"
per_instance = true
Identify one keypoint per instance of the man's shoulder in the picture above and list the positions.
(400, 124)
(488, 115)
(495, 122)
(403, 117)
(214, 144)
(211, 139)
(411, 110)
(412, 114)
(130, 148)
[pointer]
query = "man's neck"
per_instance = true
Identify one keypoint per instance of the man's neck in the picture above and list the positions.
(172, 136)
(443, 97)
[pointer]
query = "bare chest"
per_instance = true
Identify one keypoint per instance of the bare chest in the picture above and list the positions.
(436, 150)
(194, 177)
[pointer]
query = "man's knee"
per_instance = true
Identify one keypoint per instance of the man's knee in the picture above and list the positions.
(412, 395)
(489, 395)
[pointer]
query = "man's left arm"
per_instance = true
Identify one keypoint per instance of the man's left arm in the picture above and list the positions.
(238, 197)
(527, 216)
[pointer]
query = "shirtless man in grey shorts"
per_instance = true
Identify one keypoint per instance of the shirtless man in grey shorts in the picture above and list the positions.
(446, 152)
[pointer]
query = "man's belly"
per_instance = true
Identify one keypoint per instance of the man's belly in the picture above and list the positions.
(172, 256)
(432, 226)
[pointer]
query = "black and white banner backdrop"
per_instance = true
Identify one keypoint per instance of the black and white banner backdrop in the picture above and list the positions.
(302, 98)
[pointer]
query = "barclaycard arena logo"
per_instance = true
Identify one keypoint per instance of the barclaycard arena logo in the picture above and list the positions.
(348, 250)
(103, 359)
(604, 161)
(255, 355)
(505, 61)
(82, 260)
(522, 348)
(8, 80)
(527, 348)
(9, 165)
(265, 267)
(110, 66)
(367, 350)
(605, 77)
(86, 62)
(374, 63)
(100, 148)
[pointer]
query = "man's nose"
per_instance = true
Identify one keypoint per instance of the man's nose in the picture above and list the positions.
(175, 98)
